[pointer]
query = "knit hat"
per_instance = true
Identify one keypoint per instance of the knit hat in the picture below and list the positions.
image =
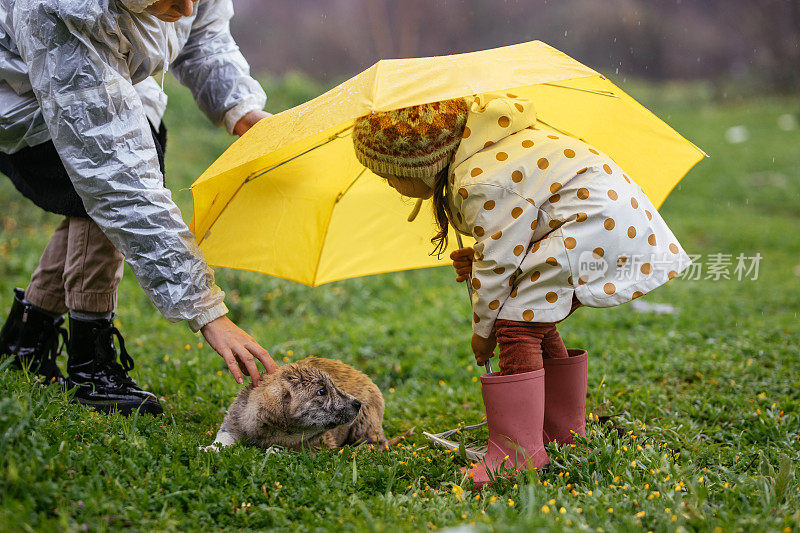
(412, 142)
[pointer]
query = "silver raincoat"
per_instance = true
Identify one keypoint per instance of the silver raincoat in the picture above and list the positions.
(67, 73)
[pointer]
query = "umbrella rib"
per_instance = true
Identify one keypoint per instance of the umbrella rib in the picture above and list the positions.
(337, 135)
(247, 180)
(559, 130)
(328, 226)
(601, 93)
(339, 196)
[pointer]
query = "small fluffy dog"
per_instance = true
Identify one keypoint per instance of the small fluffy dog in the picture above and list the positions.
(306, 404)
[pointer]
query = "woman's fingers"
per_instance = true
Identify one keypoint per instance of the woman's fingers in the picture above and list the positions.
(237, 348)
(262, 355)
(246, 358)
(232, 363)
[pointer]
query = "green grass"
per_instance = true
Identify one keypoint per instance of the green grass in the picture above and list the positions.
(708, 397)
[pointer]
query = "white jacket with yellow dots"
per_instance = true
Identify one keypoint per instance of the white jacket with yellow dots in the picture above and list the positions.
(553, 218)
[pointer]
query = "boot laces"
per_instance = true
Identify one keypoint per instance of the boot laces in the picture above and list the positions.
(105, 345)
(51, 350)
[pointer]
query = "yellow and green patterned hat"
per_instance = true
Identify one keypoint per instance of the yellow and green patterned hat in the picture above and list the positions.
(412, 142)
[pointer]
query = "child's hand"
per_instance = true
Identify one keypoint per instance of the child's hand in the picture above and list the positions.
(462, 262)
(483, 348)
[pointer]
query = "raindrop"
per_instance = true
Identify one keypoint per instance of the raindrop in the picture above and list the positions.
(737, 134)
(787, 122)
(616, 70)
(565, 33)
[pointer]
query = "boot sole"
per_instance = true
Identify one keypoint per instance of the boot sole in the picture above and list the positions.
(125, 409)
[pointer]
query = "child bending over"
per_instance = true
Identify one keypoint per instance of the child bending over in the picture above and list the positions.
(557, 225)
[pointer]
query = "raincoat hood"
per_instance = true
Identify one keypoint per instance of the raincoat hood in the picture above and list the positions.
(495, 117)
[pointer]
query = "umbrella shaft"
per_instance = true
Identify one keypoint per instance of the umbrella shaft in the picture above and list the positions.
(488, 364)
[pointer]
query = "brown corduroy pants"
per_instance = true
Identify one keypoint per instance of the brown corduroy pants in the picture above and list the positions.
(80, 270)
(524, 344)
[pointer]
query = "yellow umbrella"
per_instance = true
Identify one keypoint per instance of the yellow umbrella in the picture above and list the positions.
(289, 198)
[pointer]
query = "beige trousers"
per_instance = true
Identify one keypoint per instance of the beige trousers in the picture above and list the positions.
(80, 270)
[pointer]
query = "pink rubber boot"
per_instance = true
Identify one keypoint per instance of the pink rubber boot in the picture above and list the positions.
(514, 414)
(565, 397)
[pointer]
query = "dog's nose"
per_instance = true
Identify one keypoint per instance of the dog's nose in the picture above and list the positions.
(356, 405)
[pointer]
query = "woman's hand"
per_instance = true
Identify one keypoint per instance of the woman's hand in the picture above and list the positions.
(249, 120)
(483, 348)
(237, 348)
(462, 262)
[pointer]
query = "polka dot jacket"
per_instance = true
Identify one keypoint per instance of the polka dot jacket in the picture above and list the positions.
(553, 217)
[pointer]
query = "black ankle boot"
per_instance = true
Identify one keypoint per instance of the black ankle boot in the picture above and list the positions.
(102, 382)
(32, 337)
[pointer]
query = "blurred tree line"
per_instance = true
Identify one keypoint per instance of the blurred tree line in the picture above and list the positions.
(753, 40)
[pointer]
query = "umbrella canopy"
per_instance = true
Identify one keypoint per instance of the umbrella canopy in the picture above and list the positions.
(290, 199)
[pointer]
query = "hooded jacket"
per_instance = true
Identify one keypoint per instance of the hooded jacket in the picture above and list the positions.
(67, 73)
(553, 218)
